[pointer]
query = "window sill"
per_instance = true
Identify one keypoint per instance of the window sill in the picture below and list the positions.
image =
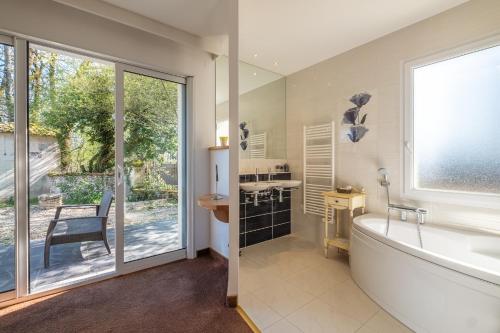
(475, 200)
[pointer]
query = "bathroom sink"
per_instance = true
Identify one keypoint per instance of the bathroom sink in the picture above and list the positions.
(290, 183)
(258, 186)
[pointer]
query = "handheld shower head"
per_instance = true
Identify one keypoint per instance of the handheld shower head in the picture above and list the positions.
(383, 177)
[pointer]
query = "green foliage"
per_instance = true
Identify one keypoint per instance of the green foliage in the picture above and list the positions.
(6, 83)
(9, 202)
(151, 118)
(86, 105)
(72, 98)
(82, 190)
(152, 187)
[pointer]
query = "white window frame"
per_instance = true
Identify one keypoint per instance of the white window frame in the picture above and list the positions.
(409, 191)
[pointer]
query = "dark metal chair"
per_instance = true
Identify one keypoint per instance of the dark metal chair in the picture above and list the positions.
(79, 229)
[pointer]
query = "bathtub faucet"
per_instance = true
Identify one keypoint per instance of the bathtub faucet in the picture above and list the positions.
(404, 210)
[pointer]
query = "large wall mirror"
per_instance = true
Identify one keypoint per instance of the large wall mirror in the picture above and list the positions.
(262, 110)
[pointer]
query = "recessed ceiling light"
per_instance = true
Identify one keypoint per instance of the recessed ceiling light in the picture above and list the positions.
(255, 55)
(276, 63)
(254, 73)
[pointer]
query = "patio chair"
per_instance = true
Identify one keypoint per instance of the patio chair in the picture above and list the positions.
(79, 229)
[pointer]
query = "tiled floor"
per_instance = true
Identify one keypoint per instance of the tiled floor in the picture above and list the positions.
(287, 285)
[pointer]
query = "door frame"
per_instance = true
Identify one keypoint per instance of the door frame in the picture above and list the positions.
(123, 267)
(22, 292)
(11, 294)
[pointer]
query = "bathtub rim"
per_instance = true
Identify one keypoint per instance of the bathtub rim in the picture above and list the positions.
(443, 261)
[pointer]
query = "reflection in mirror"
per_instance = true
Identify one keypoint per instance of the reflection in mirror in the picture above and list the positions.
(262, 110)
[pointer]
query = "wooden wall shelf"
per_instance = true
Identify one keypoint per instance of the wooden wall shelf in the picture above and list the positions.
(218, 147)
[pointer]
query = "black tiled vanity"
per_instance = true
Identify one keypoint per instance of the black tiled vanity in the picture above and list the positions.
(270, 219)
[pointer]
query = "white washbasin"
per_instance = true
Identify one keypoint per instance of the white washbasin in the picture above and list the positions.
(258, 186)
(290, 183)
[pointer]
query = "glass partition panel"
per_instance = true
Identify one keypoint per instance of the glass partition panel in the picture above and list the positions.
(7, 155)
(153, 134)
(262, 110)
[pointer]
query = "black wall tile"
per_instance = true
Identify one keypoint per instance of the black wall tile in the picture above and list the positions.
(258, 222)
(242, 225)
(281, 217)
(285, 205)
(270, 219)
(258, 236)
(242, 210)
(282, 176)
(282, 230)
(263, 208)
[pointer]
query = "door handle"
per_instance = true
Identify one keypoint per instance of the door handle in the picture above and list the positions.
(119, 175)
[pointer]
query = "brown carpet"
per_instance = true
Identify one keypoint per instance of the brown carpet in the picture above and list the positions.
(186, 296)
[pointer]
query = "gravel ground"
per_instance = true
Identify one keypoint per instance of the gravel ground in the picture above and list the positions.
(136, 213)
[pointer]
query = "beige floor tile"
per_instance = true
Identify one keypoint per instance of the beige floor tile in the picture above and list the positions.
(320, 317)
(317, 280)
(261, 314)
(341, 260)
(349, 299)
(284, 269)
(255, 276)
(291, 277)
(383, 322)
(282, 326)
(284, 298)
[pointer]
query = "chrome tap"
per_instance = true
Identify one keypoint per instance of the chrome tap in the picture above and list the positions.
(404, 210)
(421, 214)
(256, 175)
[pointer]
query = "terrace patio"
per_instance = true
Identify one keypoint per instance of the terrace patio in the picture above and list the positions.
(151, 228)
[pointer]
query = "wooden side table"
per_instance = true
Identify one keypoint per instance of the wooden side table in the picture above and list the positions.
(341, 201)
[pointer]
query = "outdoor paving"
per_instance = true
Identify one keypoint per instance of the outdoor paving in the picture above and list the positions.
(149, 230)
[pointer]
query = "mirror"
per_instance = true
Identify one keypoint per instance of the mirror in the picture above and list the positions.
(262, 110)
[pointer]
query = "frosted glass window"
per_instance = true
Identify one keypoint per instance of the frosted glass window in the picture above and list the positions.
(456, 123)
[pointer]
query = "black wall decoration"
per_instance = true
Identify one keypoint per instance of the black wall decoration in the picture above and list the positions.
(244, 135)
(353, 117)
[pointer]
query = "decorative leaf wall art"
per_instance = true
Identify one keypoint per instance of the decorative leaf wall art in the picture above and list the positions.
(244, 135)
(352, 117)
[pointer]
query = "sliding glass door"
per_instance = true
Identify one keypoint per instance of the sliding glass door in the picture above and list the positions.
(7, 165)
(71, 156)
(153, 162)
(92, 168)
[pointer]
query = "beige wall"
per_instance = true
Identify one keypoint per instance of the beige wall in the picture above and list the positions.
(320, 93)
(58, 23)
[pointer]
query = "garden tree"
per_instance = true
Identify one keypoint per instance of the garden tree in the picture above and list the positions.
(37, 63)
(6, 83)
(74, 98)
(151, 118)
(85, 104)
(52, 61)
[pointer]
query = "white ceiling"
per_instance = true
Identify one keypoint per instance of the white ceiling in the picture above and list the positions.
(288, 35)
(300, 33)
(200, 17)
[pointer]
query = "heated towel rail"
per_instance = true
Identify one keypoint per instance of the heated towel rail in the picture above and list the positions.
(258, 145)
(319, 146)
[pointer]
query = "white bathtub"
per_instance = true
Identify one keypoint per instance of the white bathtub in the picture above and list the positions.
(452, 284)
